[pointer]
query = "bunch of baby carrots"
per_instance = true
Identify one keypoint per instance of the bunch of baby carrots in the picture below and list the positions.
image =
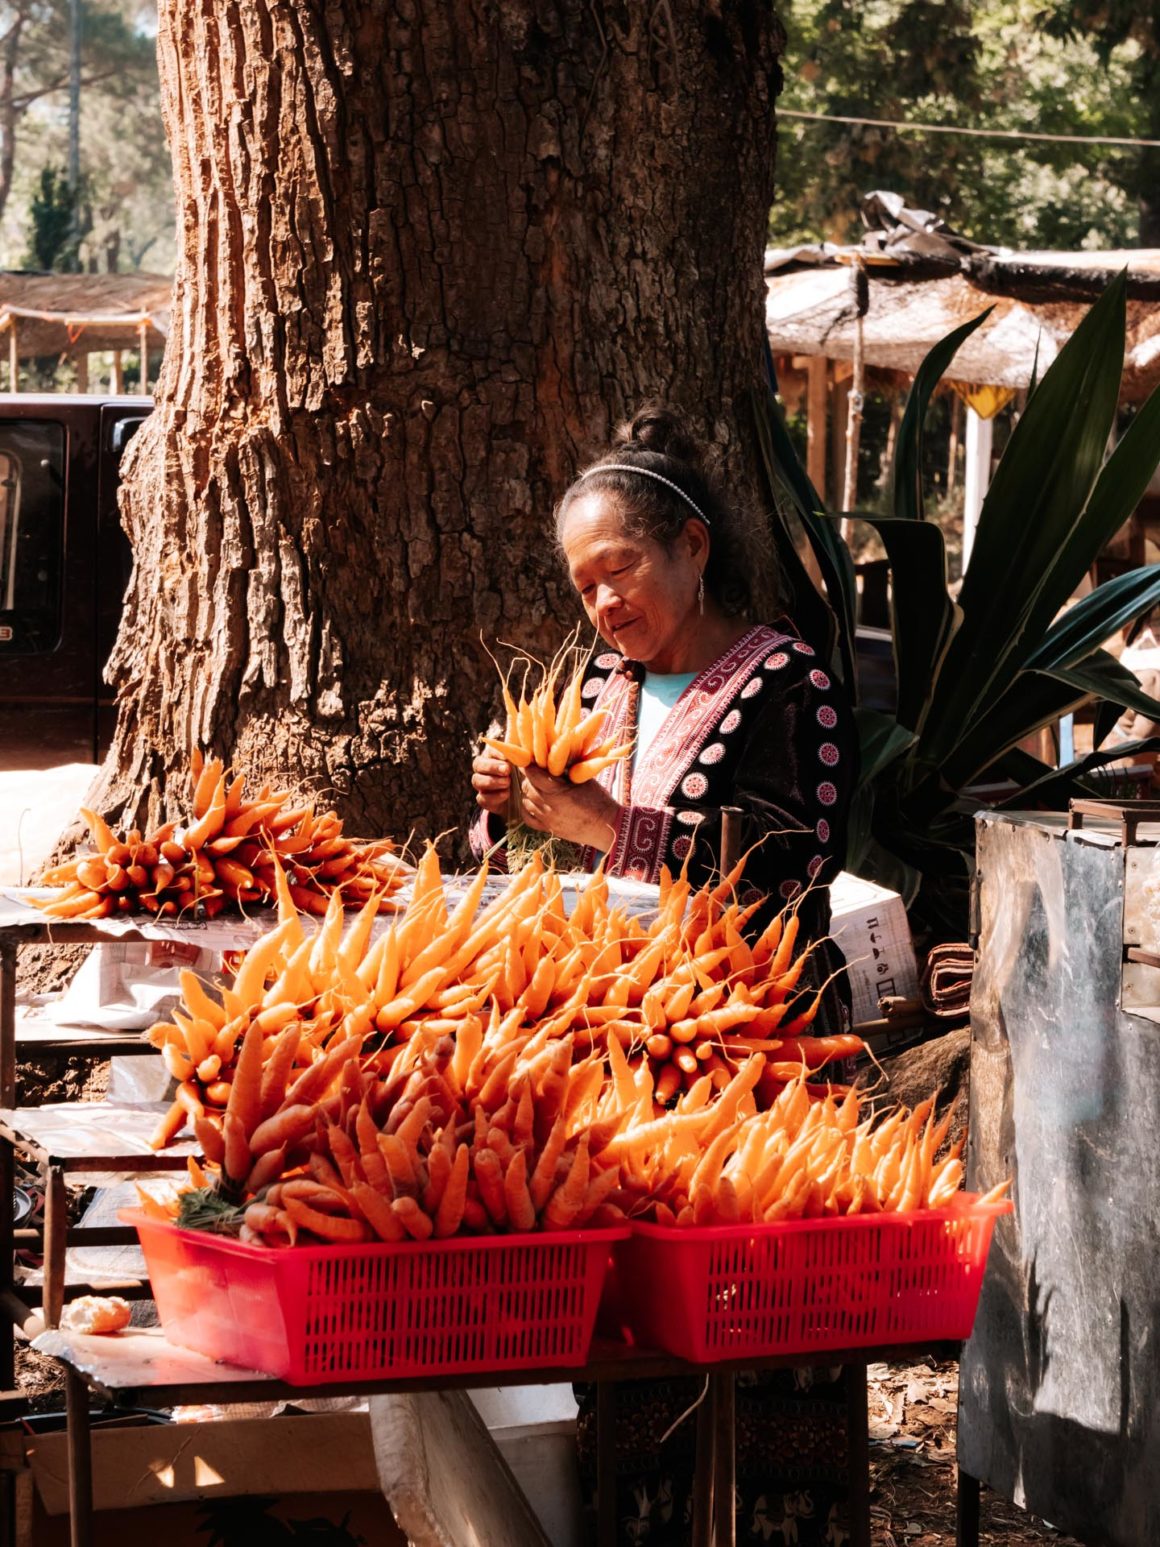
(799, 1159)
(686, 994)
(556, 735)
(226, 856)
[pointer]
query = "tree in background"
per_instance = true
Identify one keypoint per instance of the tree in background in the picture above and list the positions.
(427, 257)
(127, 206)
(53, 235)
(1124, 29)
(989, 63)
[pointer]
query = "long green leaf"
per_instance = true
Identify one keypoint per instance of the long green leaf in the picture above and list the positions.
(1036, 498)
(908, 501)
(923, 615)
(784, 472)
(1119, 489)
(1102, 676)
(1060, 784)
(1037, 698)
(1084, 627)
(1033, 700)
(880, 740)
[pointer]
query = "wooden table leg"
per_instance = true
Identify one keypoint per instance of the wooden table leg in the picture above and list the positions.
(967, 1510)
(705, 1468)
(80, 1461)
(7, 1023)
(55, 1236)
(7, 1278)
(724, 1389)
(606, 1463)
(858, 1448)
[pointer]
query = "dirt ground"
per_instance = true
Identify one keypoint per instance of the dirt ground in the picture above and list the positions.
(912, 1466)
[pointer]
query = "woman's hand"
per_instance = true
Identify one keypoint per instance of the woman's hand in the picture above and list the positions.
(580, 813)
(491, 778)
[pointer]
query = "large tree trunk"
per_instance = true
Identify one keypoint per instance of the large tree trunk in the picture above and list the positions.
(429, 253)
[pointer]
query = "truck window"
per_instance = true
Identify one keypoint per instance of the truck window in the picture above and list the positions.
(31, 535)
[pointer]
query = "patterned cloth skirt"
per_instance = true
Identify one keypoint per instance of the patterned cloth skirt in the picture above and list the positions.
(791, 1459)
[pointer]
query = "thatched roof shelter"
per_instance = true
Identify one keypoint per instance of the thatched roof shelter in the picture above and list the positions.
(843, 318)
(1037, 300)
(62, 313)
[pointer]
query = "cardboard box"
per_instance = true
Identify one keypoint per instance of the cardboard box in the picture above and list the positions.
(231, 1483)
(870, 925)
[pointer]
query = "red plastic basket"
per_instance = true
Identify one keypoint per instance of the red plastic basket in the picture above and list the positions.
(309, 1314)
(806, 1286)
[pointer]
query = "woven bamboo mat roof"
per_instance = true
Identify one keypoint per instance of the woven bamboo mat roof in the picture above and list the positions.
(924, 280)
(55, 313)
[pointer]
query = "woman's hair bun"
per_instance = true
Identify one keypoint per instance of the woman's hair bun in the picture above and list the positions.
(656, 427)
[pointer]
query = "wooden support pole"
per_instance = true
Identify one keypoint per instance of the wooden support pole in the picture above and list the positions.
(858, 1451)
(817, 372)
(55, 1239)
(605, 1463)
(7, 1023)
(82, 360)
(856, 400)
(7, 1211)
(13, 357)
(705, 1469)
(143, 337)
(839, 400)
(730, 837)
(80, 1461)
(118, 373)
(722, 1388)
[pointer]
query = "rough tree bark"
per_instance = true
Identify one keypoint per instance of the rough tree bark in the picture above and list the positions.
(429, 252)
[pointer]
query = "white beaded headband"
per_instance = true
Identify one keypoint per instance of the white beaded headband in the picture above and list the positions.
(647, 472)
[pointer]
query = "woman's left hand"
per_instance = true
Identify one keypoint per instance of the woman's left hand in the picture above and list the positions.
(580, 813)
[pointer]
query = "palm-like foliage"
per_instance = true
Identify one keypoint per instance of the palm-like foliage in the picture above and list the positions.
(977, 676)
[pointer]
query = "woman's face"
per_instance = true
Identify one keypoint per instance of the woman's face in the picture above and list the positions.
(640, 597)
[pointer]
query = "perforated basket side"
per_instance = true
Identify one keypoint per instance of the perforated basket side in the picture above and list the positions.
(312, 1314)
(806, 1287)
(423, 1312)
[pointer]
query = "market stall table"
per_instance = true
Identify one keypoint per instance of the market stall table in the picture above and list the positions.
(142, 1368)
(84, 1140)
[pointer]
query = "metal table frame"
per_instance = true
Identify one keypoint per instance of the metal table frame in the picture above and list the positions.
(609, 1363)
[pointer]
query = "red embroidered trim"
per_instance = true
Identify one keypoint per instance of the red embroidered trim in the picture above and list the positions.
(642, 842)
(699, 710)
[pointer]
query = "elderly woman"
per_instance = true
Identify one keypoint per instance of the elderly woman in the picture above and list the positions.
(724, 712)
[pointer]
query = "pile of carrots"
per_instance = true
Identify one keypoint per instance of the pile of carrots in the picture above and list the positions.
(468, 1069)
(455, 1137)
(228, 855)
(557, 736)
(685, 995)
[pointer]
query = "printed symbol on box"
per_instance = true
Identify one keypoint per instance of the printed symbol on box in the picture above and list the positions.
(162, 953)
(882, 966)
(5, 634)
(886, 986)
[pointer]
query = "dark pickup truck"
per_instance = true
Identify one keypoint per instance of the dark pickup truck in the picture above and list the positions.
(64, 564)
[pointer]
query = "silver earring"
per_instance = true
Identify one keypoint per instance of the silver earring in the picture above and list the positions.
(701, 594)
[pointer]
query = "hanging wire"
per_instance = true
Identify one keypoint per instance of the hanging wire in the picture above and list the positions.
(993, 134)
